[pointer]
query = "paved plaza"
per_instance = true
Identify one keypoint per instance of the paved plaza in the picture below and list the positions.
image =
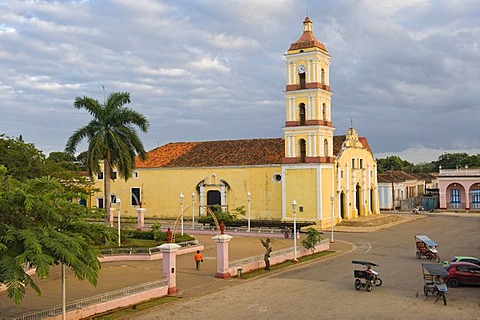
(322, 289)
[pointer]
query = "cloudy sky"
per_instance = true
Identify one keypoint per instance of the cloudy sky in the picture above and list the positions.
(406, 72)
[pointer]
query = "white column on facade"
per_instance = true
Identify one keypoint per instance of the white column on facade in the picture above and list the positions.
(327, 73)
(315, 145)
(292, 145)
(293, 110)
(348, 190)
(364, 191)
(202, 200)
(289, 73)
(314, 107)
(354, 192)
(320, 144)
(310, 144)
(289, 145)
(294, 73)
(223, 197)
(309, 70)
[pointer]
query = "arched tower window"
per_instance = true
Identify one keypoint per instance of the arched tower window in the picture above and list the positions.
(323, 76)
(302, 80)
(302, 114)
(325, 147)
(324, 112)
(303, 150)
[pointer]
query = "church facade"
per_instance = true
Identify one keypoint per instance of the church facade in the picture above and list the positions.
(330, 178)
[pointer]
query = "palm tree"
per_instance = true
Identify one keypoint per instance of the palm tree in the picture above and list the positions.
(111, 137)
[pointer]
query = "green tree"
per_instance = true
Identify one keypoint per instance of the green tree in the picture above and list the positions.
(64, 160)
(111, 138)
(22, 160)
(41, 228)
(313, 237)
(395, 163)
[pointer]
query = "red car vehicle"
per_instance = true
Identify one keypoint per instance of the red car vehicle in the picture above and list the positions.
(462, 273)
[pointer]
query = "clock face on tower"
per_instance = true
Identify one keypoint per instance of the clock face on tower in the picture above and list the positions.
(301, 68)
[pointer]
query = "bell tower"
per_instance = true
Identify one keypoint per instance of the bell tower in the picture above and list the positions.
(308, 130)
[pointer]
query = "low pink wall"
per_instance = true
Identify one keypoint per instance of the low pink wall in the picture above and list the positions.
(322, 246)
(147, 257)
(114, 304)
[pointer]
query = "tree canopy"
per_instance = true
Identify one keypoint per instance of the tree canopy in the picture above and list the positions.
(111, 137)
(446, 161)
(41, 225)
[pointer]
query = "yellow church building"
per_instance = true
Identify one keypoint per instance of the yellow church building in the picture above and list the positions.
(330, 177)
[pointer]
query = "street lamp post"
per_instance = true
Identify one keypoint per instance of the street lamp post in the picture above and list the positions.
(294, 207)
(248, 199)
(332, 200)
(193, 210)
(119, 202)
(181, 213)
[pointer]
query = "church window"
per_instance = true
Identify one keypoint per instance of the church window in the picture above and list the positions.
(135, 199)
(100, 175)
(323, 76)
(353, 163)
(302, 114)
(100, 203)
(324, 112)
(303, 150)
(302, 80)
(325, 148)
(114, 175)
(361, 163)
(277, 177)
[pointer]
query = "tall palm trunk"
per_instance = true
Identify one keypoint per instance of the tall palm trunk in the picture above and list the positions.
(106, 186)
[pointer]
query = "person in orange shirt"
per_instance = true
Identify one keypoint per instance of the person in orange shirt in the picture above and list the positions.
(198, 258)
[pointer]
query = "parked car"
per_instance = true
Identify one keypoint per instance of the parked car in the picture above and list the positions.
(462, 273)
(462, 259)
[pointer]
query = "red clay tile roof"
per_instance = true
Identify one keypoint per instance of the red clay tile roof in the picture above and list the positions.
(397, 176)
(307, 40)
(216, 153)
(222, 153)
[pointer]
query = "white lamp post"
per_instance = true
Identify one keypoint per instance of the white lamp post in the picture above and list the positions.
(332, 199)
(248, 200)
(181, 213)
(193, 210)
(294, 207)
(119, 202)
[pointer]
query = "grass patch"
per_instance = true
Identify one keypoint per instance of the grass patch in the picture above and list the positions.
(288, 263)
(124, 312)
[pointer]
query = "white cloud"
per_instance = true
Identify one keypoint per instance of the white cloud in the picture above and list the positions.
(406, 72)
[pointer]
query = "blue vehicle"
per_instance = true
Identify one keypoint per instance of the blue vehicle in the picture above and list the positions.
(426, 247)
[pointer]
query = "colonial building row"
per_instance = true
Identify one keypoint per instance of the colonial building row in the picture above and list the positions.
(448, 189)
(330, 177)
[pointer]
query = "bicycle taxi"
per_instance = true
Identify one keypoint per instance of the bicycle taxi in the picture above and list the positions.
(426, 247)
(367, 277)
(433, 281)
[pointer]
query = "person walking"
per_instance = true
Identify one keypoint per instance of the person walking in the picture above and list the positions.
(198, 258)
